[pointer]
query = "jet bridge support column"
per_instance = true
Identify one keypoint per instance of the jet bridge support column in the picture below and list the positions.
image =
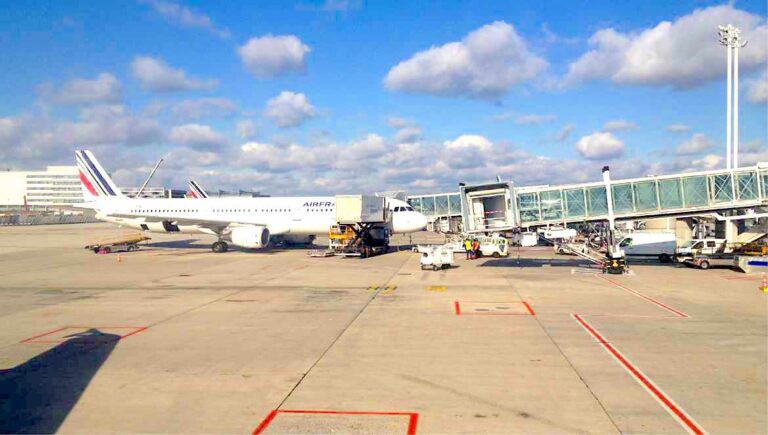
(616, 261)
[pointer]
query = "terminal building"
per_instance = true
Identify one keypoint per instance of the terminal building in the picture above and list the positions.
(57, 186)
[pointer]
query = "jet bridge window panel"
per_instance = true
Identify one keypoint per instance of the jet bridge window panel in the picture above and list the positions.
(428, 205)
(622, 198)
(764, 177)
(551, 205)
(441, 205)
(574, 203)
(722, 188)
(597, 201)
(645, 196)
(528, 205)
(746, 186)
(415, 203)
(454, 202)
(695, 191)
(670, 194)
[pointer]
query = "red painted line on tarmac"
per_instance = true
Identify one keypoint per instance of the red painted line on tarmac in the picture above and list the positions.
(647, 298)
(677, 412)
(413, 417)
(530, 310)
(42, 335)
(264, 423)
(457, 308)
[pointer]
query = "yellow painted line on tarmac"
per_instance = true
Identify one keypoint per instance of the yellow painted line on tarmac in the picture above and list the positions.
(437, 288)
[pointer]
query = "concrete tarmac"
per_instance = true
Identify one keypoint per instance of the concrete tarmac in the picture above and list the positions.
(176, 339)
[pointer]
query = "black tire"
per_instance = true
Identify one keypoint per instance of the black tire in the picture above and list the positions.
(435, 268)
(219, 247)
(665, 258)
(131, 248)
(704, 265)
(496, 255)
(107, 250)
(95, 250)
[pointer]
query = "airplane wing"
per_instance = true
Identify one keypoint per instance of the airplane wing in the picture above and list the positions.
(216, 226)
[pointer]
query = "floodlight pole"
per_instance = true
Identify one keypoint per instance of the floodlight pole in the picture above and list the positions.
(730, 37)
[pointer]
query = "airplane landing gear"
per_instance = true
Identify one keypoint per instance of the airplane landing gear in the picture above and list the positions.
(220, 246)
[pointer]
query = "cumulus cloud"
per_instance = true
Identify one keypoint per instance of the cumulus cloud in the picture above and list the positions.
(599, 145)
(157, 76)
(678, 128)
(619, 125)
(11, 130)
(184, 16)
(197, 136)
(289, 109)
(535, 119)
(697, 144)
(682, 53)
(105, 88)
(110, 124)
(246, 129)
(270, 55)
(757, 90)
(203, 108)
(407, 130)
(487, 63)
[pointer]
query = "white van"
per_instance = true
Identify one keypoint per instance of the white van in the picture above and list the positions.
(492, 246)
(703, 247)
(660, 245)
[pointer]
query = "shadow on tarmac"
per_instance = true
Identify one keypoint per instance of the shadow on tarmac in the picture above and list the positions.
(36, 396)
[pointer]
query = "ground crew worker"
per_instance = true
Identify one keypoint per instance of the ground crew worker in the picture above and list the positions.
(476, 248)
(468, 248)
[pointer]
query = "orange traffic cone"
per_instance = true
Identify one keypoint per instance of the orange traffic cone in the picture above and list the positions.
(764, 284)
(119, 258)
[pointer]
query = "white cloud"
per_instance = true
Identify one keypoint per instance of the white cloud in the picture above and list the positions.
(11, 130)
(340, 5)
(197, 136)
(752, 146)
(157, 76)
(710, 161)
(678, 128)
(269, 55)
(105, 88)
(535, 119)
(619, 125)
(246, 129)
(408, 135)
(683, 53)
(184, 16)
(698, 143)
(564, 133)
(599, 145)
(204, 108)
(289, 109)
(487, 63)
(757, 90)
(114, 124)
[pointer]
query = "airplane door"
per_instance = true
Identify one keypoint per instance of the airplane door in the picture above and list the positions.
(478, 212)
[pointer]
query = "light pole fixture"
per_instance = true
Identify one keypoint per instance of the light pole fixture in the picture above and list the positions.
(730, 37)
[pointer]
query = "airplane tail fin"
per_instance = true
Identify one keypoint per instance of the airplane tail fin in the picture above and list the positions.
(94, 180)
(195, 191)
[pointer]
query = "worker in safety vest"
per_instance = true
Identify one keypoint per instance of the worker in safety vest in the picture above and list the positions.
(468, 248)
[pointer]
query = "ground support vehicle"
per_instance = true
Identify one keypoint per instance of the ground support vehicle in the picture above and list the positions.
(117, 244)
(358, 240)
(435, 257)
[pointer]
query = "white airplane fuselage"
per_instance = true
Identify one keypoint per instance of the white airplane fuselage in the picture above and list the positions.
(286, 215)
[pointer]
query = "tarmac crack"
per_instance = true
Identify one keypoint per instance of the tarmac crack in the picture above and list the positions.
(560, 350)
(373, 296)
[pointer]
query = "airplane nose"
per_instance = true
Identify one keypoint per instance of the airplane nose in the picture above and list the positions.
(421, 221)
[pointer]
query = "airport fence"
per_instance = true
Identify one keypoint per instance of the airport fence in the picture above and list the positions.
(9, 220)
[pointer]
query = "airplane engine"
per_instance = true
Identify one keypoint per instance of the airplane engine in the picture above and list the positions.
(252, 236)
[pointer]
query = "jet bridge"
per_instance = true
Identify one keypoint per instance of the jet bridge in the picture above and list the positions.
(498, 207)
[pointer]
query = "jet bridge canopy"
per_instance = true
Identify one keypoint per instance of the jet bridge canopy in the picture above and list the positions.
(651, 196)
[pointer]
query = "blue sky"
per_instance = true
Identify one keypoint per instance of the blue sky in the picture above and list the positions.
(347, 96)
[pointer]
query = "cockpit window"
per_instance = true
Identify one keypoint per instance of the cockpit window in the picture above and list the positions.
(409, 208)
(398, 209)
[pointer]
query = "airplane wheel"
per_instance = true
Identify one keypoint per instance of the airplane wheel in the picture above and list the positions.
(219, 247)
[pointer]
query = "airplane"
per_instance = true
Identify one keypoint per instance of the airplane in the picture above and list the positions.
(245, 222)
(195, 191)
